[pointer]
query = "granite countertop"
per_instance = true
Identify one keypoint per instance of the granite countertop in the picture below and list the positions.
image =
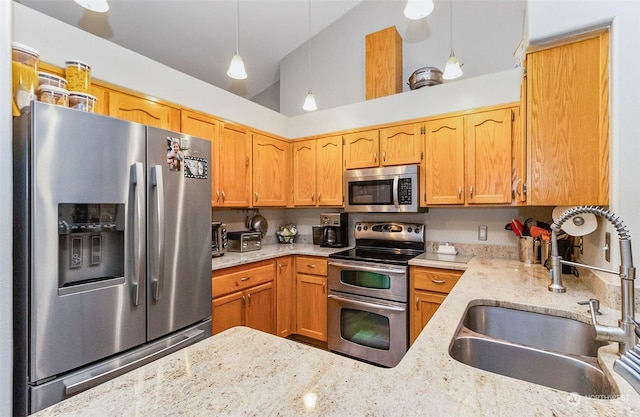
(244, 372)
(230, 259)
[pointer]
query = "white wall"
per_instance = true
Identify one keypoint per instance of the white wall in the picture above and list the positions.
(338, 52)
(6, 191)
(548, 19)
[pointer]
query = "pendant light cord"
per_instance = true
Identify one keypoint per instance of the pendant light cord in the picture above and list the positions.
(237, 27)
(451, 24)
(309, 41)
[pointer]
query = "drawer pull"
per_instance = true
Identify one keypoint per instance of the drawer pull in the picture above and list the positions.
(417, 304)
(438, 281)
(311, 266)
(245, 279)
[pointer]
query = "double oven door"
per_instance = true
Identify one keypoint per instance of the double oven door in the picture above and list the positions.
(367, 311)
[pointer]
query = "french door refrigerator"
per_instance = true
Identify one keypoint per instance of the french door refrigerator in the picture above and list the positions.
(112, 249)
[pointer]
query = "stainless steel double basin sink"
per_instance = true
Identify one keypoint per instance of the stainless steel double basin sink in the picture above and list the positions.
(553, 351)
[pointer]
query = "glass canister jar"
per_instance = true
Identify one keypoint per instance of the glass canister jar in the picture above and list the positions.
(78, 75)
(82, 101)
(53, 95)
(24, 68)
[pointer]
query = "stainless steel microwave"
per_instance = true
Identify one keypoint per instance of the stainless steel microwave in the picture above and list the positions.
(382, 190)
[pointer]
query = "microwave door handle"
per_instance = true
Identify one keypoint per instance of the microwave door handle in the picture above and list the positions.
(136, 227)
(396, 181)
(157, 259)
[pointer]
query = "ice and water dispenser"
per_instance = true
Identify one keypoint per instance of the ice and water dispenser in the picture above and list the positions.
(90, 243)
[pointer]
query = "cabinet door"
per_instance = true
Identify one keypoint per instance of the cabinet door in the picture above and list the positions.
(361, 150)
(401, 145)
(424, 306)
(142, 111)
(488, 157)
(304, 173)
(234, 167)
(568, 123)
(227, 312)
(311, 300)
(444, 161)
(206, 127)
(329, 171)
(271, 165)
(260, 312)
(285, 297)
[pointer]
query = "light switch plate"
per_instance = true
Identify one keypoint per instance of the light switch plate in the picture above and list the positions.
(482, 232)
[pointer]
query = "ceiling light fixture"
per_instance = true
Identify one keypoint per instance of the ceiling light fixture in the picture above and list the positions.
(236, 67)
(452, 68)
(100, 6)
(309, 100)
(417, 9)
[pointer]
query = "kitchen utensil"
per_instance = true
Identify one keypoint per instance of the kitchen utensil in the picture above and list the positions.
(516, 226)
(259, 224)
(425, 76)
(537, 231)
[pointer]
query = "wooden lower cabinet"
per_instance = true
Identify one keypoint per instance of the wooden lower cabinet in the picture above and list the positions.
(244, 296)
(285, 297)
(311, 297)
(428, 289)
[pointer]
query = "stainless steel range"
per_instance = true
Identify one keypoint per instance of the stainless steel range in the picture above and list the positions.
(368, 292)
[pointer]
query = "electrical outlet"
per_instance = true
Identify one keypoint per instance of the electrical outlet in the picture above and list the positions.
(482, 232)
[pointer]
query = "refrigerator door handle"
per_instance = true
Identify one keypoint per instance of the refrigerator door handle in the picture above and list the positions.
(157, 260)
(136, 175)
(71, 388)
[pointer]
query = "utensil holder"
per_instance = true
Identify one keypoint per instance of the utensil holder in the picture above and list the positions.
(529, 250)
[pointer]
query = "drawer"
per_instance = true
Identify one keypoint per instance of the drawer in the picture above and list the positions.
(240, 277)
(438, 280)
(311, 265)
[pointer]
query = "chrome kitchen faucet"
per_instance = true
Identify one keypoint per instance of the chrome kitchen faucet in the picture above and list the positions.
(623, 334)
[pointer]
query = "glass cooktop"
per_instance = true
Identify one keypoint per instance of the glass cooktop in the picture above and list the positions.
(380, 255)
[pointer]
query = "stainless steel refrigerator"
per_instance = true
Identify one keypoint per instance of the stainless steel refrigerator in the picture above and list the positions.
(112, 242)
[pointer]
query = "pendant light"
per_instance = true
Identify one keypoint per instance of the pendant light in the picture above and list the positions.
(309, 100)
(100, 6)
(417, 9)
(236, 67)
(452, 68)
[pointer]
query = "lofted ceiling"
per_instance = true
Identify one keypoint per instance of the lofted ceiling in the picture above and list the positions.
(198, 37)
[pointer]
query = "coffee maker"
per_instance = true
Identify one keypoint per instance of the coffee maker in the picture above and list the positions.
(334, 230)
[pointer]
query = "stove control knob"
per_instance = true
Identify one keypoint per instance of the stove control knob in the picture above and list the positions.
(366, 227)
(409, 229)
(359, 228)
(417, 230)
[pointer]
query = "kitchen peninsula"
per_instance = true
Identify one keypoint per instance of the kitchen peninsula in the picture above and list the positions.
(246, 372)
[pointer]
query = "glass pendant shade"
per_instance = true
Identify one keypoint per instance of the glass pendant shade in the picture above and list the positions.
(236, 68)
(100, 6)
(309, 102)
(417, 9)
(452, 68)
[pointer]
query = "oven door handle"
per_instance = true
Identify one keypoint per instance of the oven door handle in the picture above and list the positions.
(364, 303)
(361, 267)
(396, 198)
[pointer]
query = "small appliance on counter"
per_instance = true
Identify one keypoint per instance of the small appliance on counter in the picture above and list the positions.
(334, 230)
(243, 241)
(218, 238)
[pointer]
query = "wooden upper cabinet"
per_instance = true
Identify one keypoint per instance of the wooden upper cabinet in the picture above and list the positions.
(329, 171)
(140, 110)
(568, 122)
(401, 145)
(205, 127)
(469, 159)
(361, 149)
(271, 164)
(233, 181)
(488, 157)
(443, 174)
(304, 173)
(317, 172)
